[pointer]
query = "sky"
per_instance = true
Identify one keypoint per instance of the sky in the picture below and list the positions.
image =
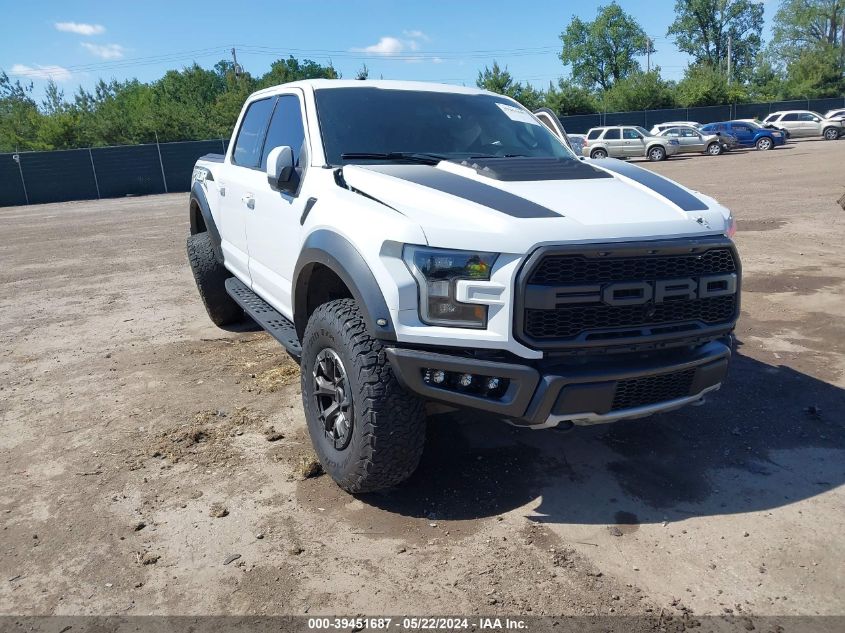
(75, 43)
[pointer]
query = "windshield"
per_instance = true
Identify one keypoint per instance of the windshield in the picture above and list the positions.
(642, 131)
(443, 124)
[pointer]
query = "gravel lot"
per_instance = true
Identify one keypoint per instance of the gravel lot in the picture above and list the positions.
(128, 419)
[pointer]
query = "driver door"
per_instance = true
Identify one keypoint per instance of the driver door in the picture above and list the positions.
(273, 229)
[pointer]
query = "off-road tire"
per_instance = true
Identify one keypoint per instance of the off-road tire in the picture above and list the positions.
(830, 134)
(211, 276)
(656, 153)
(598, 153)
(388, 423)
(714, 149)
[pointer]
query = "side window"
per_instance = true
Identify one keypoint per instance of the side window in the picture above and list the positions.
(688, 133)
(793, 116)
(247, 152)
(285, 129)
(742, 128)
(593, 135)
(806, 116)
(771, 118)
(630, 134)
(672, 131)
(612, 135)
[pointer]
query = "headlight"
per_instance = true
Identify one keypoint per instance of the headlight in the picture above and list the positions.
(437, 271)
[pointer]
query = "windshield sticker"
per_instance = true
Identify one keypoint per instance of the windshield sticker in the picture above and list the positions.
(517, 114)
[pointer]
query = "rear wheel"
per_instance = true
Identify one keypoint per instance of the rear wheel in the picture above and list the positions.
(656, 154)
(714, 149)
(210, 276)
(831, 134)
(598, 153)
(367, 431)
(764, 144)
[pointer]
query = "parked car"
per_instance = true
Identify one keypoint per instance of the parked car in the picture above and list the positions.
(768, 126)
(804, 124)
(657, 129)
(577, 141)
(693, 140)
(748, 134)
(619, 141)
(835, 114)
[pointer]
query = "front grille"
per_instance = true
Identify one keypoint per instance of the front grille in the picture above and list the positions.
(562, 305)
(569, 321)
(639, 392)
(568, 269)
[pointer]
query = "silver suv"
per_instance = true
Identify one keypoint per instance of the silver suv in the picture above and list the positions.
(694, 140)
(804, 123)
(628, 142)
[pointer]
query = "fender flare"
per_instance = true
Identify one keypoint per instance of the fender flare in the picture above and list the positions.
(341, 257)
(199, 201)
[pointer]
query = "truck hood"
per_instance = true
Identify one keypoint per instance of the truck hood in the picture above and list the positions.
(513, 205)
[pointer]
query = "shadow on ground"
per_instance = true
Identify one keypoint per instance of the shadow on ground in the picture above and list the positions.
(770, 437)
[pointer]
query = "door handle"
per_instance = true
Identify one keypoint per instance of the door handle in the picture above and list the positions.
(249, 201)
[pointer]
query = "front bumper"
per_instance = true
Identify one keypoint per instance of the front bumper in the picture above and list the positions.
(544, 395)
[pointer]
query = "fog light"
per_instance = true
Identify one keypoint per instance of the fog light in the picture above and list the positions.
(465, 380)
(492, 383)
(438, 376)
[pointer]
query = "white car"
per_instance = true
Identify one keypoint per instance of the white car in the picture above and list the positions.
(660, 127)
(413, 242)
(835, 114)
(804, 124)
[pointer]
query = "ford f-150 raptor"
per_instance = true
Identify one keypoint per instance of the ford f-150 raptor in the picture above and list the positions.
(413, 242)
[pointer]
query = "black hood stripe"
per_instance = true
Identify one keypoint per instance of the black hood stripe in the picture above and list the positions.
(467, 189)
(665, 188)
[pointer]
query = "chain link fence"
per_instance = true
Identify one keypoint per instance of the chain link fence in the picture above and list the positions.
(581, 123)
(100, 172)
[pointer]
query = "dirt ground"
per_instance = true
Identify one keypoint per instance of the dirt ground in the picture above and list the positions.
(130, 424)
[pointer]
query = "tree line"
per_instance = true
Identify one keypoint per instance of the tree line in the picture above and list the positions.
(730, 64)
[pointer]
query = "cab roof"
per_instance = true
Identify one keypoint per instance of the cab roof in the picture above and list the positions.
(383, 84)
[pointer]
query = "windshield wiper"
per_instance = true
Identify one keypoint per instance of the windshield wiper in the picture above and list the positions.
(410, 157)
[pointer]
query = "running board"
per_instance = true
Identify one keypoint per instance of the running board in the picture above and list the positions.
(265, 315)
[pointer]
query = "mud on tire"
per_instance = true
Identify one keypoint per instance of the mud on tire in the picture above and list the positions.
(387, 432)
(211, 277)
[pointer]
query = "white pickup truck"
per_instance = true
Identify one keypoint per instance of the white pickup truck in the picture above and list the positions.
(414, 242)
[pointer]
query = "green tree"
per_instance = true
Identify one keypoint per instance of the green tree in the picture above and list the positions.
(603, 51)
(640, 91)
(570, 98)
(809, 41)
(702, 29)
(291, 69)
(705, 85)
(500, 81)
(19, 116)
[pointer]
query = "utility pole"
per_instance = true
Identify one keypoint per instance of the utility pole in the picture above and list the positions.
(648, 54)
(730, 42)
(235, 66)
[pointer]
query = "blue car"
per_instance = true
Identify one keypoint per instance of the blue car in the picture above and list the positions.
(748, 134)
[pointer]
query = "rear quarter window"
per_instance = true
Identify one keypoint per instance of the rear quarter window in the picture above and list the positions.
(594, 134)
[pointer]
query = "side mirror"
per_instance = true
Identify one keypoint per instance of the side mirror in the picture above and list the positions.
(281, 173)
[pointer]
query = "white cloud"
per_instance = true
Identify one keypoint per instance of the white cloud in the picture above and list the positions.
(416, 35)
(56, 73)
(105, 51)
(80, 28)
(385, 46)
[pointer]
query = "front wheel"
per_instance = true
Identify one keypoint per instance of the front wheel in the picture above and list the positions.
(656, 154)
(598, 153)
(764, 144)
(367, 431)
(831, 134)
(714, 149)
